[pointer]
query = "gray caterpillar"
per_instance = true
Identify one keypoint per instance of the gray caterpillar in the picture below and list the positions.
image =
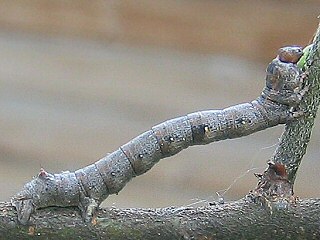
(89, 186)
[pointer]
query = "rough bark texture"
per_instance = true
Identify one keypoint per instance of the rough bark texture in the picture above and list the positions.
(243, 219)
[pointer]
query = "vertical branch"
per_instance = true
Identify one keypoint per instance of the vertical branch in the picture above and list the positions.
(295, 138)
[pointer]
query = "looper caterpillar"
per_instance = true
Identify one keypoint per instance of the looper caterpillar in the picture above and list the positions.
(89, 186)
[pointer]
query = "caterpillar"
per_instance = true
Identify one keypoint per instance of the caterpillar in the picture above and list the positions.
(87, 187)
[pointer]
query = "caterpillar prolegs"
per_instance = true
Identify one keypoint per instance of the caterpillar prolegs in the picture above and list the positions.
(89, 186)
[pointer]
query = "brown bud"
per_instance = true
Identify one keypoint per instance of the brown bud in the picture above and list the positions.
(278, 168)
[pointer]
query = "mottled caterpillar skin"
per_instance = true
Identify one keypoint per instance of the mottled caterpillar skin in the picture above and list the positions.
(89, 186)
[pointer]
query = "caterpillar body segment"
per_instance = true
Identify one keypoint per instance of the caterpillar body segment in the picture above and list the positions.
(142, 152)
(89, 186)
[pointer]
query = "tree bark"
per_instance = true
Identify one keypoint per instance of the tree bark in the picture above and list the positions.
(242, 219)
(270, 211)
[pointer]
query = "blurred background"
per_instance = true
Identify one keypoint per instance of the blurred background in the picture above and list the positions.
(80, 78)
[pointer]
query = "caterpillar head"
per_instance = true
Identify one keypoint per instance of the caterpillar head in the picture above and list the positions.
(290, 54)
(283, 81)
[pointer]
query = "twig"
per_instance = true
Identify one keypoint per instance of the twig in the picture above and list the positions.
(295, 138)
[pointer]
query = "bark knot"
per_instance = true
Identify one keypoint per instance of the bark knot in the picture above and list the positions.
(274, 191)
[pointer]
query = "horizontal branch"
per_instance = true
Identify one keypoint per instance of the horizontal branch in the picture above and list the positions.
(242, 219)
